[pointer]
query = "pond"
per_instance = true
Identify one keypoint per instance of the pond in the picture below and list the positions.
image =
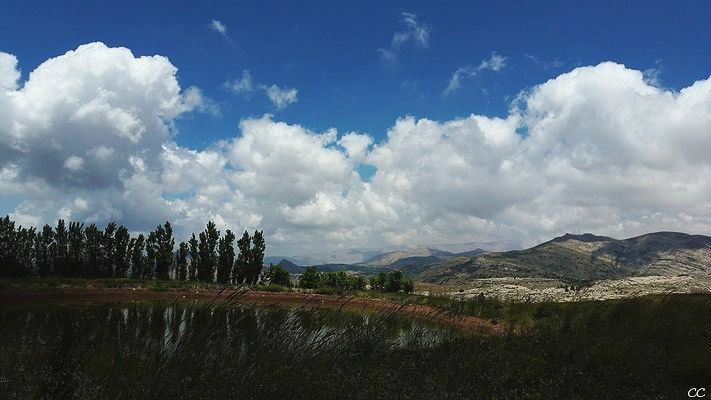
(651, 348)
(110, 349)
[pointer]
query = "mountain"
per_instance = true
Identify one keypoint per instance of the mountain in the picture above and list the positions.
(585, 257)
(291, 267)
(415, 256)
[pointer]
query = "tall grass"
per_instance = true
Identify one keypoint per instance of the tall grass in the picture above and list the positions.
(651, 348)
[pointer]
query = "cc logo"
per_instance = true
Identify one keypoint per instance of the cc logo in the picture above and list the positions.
(696, 392)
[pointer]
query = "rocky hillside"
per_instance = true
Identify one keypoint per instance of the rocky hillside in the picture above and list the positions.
(585, 257)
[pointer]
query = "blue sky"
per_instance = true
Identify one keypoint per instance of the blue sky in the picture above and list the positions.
(615, 148)
(328, 51)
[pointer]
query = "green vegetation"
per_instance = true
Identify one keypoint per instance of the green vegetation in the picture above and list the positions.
(392, 282)
(277, 275)
(330, 282)
(650, 348)
(78, 252)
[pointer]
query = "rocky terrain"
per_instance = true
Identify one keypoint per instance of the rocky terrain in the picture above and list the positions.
(536, 290)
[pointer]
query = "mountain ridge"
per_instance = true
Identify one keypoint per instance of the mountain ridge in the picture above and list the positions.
(586, 257)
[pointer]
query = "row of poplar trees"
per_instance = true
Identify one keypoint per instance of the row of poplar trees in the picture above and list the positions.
(89, 252)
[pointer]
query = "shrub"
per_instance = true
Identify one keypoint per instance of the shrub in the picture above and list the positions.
(310, 278)
(277, 275)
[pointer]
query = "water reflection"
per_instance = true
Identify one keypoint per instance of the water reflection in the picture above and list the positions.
(166, 326)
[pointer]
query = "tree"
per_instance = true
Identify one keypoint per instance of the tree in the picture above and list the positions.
(226, 257)
(108, 247)
(92, 251)
(75, 249)
(391, 282)
(164, 244)
(7, 244)
(24, 249)
(137, 260)
(310, 278)
(394, 282)
(206, 249)
(149, 266)
(242, 264)
(256, 261)
(379, 282)
(43, 258)
(277, 275)
(408, 286)
(121, 255)
(112, 252)
(59, 249)
(181, 262)
(194, 258)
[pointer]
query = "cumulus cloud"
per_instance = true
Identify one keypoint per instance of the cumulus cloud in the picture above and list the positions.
(281, 97)
(596, 149)
(97, 111)
(9, 74)
(414, 32)
(494, 63)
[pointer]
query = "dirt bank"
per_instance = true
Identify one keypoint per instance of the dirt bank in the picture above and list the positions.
(13, 296)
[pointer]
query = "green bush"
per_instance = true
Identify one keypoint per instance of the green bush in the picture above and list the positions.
(277, 275)
(392, 282)
(340, 281)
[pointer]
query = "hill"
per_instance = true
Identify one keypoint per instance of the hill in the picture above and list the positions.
(585, 257)
(291, 267)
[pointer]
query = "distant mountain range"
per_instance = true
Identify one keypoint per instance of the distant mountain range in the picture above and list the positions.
(360, 256)
(568, 257)
(585, 257)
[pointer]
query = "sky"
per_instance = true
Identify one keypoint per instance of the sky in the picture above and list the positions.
(335, 126)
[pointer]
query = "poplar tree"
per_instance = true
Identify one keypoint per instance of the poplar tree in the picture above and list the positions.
(108, 247)
(206, 248)
(194, 258)
(150, 262)
(241, 269)
(121, 255)
(181, 262)
(59, 249)
(164, 244)
(75, 249)
(137, 258)
(92, 251)
(256, 260)
(43, 257)
(226, 257)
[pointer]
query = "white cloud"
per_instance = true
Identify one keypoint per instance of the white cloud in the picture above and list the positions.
(9, 75)
(193, 99)
(418, 33)
(219, 27)
(596, 149)
(415, 32)
(281, 97)
(242, 86)
(74, 163)
(494, 63)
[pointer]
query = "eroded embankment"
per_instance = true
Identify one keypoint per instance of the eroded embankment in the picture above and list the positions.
(469, 324)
